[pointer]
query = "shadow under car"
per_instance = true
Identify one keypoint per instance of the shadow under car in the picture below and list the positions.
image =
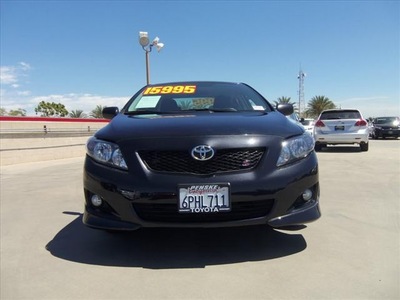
(166, 248)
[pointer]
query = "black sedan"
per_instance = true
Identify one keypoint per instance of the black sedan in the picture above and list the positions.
(200, 154)
(384, 127)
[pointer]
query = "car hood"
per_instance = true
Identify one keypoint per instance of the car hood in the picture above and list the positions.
(124, 127)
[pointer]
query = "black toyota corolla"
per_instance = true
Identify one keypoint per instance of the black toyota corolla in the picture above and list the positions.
(200, 154)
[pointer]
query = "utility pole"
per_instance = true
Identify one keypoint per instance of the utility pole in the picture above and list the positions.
(302, 104)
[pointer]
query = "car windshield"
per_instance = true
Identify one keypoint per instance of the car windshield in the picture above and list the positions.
(385, 120)
(196, 96)
(340, 114)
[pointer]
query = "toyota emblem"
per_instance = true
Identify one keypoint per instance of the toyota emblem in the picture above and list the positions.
(202, 152)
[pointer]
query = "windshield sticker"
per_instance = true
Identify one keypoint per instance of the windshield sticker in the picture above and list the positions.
(170, 89)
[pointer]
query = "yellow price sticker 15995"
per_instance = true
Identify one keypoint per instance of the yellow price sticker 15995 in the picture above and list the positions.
(170, 89)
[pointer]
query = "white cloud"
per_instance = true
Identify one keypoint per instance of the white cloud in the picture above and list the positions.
(14, 96)
(24, 66)
(11, 75)
(8, 75)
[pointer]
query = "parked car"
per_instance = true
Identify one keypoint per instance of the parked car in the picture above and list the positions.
(199, 154)
(383, 127)
(341, 126)
(308, 125)
(370, 128)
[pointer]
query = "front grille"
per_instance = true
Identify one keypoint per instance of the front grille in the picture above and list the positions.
(169, 212)
(227, 160)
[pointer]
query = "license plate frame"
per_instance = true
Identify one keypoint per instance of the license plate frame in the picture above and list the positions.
(339, 128)
(204, 198)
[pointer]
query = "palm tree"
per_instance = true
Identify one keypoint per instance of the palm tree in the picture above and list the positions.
(97, 112)
(77, 114)
(284, 100)
(186, 105)
(317, 104)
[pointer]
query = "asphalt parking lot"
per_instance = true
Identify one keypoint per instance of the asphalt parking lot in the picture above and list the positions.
(352, 252)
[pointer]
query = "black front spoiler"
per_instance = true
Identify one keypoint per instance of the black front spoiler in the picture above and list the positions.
(306, 214)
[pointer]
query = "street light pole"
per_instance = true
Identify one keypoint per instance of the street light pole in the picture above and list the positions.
(147, 68)
(144, 42)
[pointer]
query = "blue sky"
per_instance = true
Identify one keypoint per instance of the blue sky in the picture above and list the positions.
(86, 53)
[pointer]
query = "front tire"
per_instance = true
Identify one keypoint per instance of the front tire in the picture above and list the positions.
(364, 147)
(317, 147)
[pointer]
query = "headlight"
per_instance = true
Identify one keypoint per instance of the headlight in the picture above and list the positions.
(105, 152)
(295, 148)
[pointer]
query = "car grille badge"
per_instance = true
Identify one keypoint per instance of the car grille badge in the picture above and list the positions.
(202, 152)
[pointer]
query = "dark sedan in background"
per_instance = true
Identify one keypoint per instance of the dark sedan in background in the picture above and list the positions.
(200, 154)
(383, 127)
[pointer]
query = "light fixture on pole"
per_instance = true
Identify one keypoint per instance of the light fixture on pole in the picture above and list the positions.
(147, 46)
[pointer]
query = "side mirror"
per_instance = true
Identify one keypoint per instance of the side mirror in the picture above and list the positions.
(110, 112)
(285, 109)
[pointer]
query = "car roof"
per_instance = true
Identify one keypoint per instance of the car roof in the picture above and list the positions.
(196, 81)
(340, 109)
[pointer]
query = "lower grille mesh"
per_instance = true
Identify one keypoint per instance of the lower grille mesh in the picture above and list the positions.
(169, 212)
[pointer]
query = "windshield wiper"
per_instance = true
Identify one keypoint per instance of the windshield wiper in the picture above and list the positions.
(228, 109)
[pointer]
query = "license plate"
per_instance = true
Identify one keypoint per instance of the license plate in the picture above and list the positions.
(204, 198)
(390, 132)
(339, 127)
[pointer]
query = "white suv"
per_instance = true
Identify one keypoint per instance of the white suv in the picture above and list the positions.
(341, 126)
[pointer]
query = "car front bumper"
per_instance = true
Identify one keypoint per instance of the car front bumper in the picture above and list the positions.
(386, 132)
(131, 202)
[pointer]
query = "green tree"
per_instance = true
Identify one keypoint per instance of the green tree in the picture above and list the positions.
(47, 109)
(17, 112)
(97, 112)
(317, 104)
(77, 113)
(3, 111)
